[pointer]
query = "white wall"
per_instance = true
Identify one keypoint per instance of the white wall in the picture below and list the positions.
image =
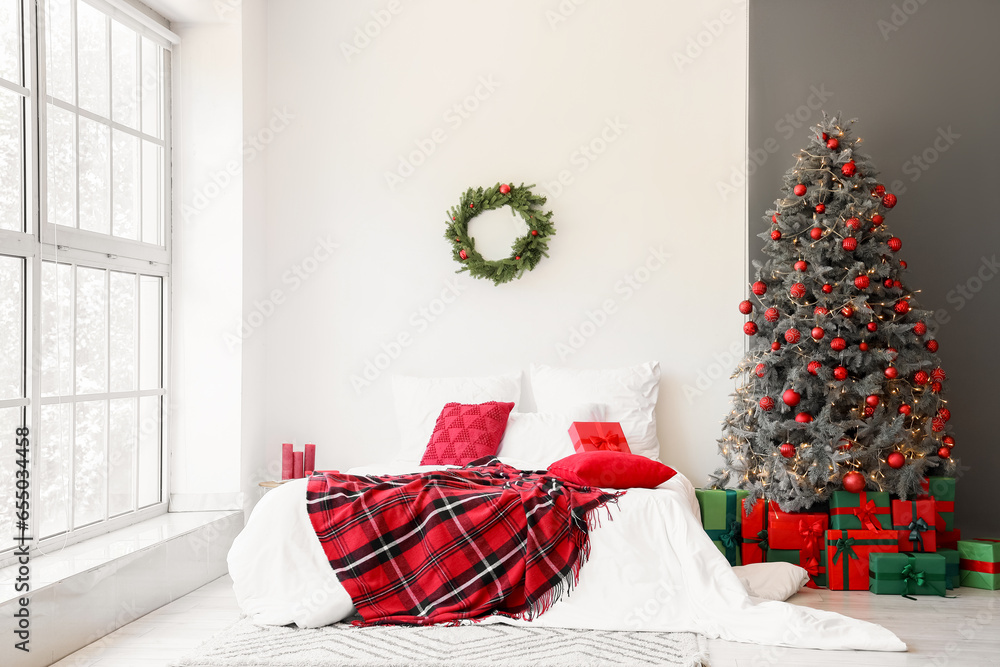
(557, 86)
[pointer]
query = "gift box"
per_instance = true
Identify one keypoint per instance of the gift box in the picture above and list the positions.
(868, 510)
(720, 516)
(797, 537)
(948, 540)
(952, 576)
(979, 564)
(847, 553)
(907, 574)
(914, 522)
(942, 490)
(598, 437)
(753, 529)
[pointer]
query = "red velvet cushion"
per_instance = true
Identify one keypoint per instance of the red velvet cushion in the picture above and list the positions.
(465, 433)
(612, 470)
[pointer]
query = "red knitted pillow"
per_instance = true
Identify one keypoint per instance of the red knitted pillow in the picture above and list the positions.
(465, 433)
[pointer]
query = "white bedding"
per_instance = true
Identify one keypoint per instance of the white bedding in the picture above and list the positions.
(651, 568)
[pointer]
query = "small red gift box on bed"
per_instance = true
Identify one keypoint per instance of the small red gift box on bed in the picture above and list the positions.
(914, 522)
(598, 437)
(847, 553)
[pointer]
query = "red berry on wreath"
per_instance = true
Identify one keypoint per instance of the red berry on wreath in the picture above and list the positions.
(827, 288)
(820, 208)
(920, 377)
(920, 328)
(863, 346)
(518, 257)
(862, 282)
(931, 345)
(472, 205)
(816, 233)
(891, 373)
(853, 482)
(760, 370)
(803, 418)
(775, 235)
(504, 189)
(787, 450)
(814, 367)
(849, 168)
(793, 336)
(750, 328)
(948, 441)
(798, 290)
(458, 240)
(840, 373)
(877, 219)
(936, 387)
(746, 307)
(944, 452)
(847, 311)
(879, 190)
(452, 217)
(889, 200)
(944, 413)
(939, 374)
(799, 189)
(771, 315)
(817, 333)
(833, 144)
(902, 307)
(895, 244)
(758, 288)
(767, 404)
(534, 232)
(775, 346)
(820, 310)
(905, 409)
(463, 254)
(850, 244)
(853, 224)
(838, 344)
(872, 400)
(895, 460)
(791, 397)
(800, 266)
(871, 326)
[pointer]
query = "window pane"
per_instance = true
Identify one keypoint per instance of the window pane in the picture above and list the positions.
(152, 75)
(91, 331)
(149, 450)
(152, 182)
(61, 166)
(92, 58)
(95, 173)
(59, 49)
(10, 419)
(125, 157)
(121, 456)
(10, 40)
(123, 326)
(89, 470)
(11, 156)
(57, 329)
(53, 472)
(124, 74)
(149, 332)
(11, 329)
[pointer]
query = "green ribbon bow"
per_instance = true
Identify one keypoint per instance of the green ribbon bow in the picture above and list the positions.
(762, 540)
(910, 573)
(916, 527)
(732, 538)
(845, 545)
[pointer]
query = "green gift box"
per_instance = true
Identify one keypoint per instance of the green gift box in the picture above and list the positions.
(951, 571)
(942, 489)
(869, 510)
(907, 574)
(720, 516)
(979, 563)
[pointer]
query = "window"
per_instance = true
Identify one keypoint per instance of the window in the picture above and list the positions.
(84, 263)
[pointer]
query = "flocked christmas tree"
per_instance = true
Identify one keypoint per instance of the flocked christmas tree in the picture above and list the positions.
(841, 387)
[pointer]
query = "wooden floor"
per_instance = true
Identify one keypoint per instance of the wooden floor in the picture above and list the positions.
(960, 632)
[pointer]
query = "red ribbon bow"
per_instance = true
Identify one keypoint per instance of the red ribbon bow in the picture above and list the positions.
(812, 535)
(866, 515)
(607, 443)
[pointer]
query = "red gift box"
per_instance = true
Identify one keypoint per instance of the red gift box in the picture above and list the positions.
(753, 529)
(948, 539)
(803, 531)
(914, 522)
(598, 437)
(847, 553)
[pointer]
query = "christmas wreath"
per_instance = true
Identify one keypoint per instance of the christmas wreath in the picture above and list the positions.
(525, 252)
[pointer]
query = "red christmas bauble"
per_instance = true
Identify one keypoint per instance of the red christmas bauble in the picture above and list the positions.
(944, 413)
(463, 254)
(895, 460)
(935, 387)
(803, 418)
(920, 377)
(944, 453)
(775, 346)
(853, 482)
(746, 307)
(791, 397)
(862, 282)
(787, 450)
(771, 315)
(817, 333)
(820, 208)
(849, 168)
(872, 326)
(774, 218)
(937, 424)
(877, 219)
(827, 288)
(832, 144)
(905, 409)
(814, 367)
(767, 404)
(893, 353)
(799, 189)
(775, 235)
(939, 374)
(902, 263)
(816, 233)
(504, 189)
(793, 336)
(850, 244)
(889, 200)
(800, 266)
(750, 328)
(931, 345)
(872, 400)
(840, 373)
(889, 283)
(920, 328)
(838, 343)
(760, 370)
(825, 137)
(758, 288)
(891, 373)
(845, 444)
(820, 310)
(894, 244)
(902, 307)
(853, 224)
(798, 290)
(534, 232)
(847, 311)
(878, 190)
(948, 441)
(869, 411)
(863, 346)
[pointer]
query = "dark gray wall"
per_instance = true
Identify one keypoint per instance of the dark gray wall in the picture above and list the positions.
(910, 71)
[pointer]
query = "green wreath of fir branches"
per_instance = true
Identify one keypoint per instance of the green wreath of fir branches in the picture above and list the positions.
(525, 252)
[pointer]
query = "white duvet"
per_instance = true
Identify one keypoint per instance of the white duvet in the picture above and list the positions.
(652, 567)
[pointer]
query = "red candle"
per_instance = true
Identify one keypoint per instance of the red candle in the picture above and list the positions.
(286, 460)
(297, 465)
(309, 460)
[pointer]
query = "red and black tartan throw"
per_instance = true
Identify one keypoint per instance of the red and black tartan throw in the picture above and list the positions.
(456, 544)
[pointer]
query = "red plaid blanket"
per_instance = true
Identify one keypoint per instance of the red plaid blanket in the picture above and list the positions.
(462, 543)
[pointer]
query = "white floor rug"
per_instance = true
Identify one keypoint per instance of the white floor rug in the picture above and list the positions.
(493, 645)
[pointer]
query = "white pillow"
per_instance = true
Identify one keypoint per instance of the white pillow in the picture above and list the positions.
(630, 394)
(539, 439)
(419, 401)
(772, 581)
